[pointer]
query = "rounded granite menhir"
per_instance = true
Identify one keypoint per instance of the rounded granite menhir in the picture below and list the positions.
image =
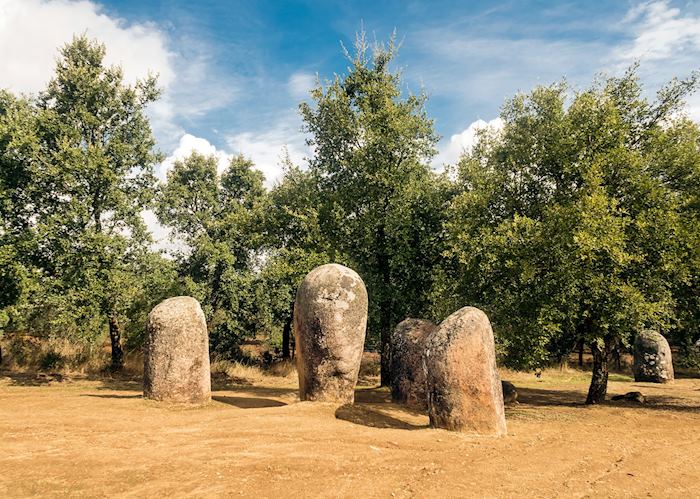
(330, 319)
(652, 358)
(406, 361)
(464, 389)
(176, 354)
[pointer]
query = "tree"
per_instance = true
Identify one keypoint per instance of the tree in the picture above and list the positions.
(565, 228)
(93, 175)
(676, 160)
(18, 146)
(372, 146)
(219, 220)
(294, 245)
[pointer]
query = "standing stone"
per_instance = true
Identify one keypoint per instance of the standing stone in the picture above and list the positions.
(176, 356)
(652, 358)
(406, 353)
(464, 389)
(330, 319)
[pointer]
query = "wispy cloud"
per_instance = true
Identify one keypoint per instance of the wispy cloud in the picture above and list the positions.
(666, 41)
(488, 69)
(660, 32)
(300, 84)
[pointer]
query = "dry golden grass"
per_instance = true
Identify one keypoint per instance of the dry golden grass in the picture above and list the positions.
(22, 352)
(237, 372)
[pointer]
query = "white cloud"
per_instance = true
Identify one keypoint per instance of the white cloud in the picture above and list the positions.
(464, 142)
(32, 31)
(266, 148)
(161, 234)
(666, 41)
(187, 145)
(659, 32)
(300, 84)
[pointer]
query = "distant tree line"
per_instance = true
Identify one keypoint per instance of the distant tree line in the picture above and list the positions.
(578, 221)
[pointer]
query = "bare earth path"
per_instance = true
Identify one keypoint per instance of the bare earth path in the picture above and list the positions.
(100, 438)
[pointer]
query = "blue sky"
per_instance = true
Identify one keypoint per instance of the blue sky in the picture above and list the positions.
(234, 72)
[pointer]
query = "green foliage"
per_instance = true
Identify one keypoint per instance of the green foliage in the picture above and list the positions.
(218, 218)
(372, 147)
(579, 220)
(18, 145)
(567, 226)
(79, 174)
(281, 275)
(51, 361)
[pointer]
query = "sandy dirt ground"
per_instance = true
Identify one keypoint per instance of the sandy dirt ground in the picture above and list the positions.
(97, 438)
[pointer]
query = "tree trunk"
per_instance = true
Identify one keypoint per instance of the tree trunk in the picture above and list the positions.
(617, 356)
(385, 333)
(580, 352)
(115, 337)
(599, 380)
(292, 346)
(286, 334)
(385, 308)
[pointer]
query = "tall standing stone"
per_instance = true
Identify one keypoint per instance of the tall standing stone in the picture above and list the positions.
(176, 360)
(464, 389)
(406, 353)
(652, 358)
(330, 319)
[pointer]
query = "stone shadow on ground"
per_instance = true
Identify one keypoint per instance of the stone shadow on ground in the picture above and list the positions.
(381, 395)
(369, 407)
(248, 402)
(367, 416)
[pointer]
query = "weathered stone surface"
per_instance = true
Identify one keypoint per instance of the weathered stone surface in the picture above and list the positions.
(510, 393)
(406, 353)
(464, 389)
(176, 354)
(330, 320)
(652, 358)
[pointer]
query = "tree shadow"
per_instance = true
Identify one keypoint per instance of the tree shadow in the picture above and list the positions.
(368, 416)
(681, 373)
(541, 397)
(661, 403)
(119, 384)
(34, 378)
(248, 402)
(222, 381)
(113, 396)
